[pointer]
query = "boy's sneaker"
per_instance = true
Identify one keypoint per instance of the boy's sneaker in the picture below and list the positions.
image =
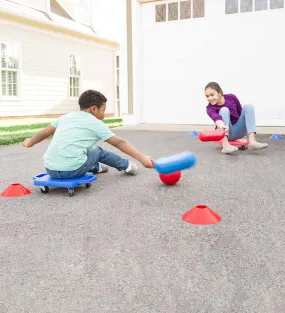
(103, 168)
(132, 169)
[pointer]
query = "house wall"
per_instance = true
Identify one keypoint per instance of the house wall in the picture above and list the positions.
(36, 4)
(44, 73)
(243, 52)
(110, 21)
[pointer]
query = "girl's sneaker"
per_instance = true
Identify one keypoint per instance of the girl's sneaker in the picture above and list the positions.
(257, 145)
(229, 149)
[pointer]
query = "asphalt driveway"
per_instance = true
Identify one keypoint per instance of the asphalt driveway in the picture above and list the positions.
(121, 246)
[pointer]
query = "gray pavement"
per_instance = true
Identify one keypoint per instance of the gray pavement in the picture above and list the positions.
(121, 246)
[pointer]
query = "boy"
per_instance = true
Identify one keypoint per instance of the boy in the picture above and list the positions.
(72, 151)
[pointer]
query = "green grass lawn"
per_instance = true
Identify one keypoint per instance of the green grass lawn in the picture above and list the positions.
(17, 133)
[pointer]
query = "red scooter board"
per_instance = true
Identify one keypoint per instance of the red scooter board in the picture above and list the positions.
(217, 135)
(238, 143)
(212, 135)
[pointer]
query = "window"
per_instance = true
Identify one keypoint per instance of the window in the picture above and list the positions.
(118, 83)
(261, 5)
(173, 11)
(160, 12)
(10, 59)
(198, 8)
(179, 10)
(185, 10)
(276, 4)
(246, 5)
(242, 6)
(231, 6)
(74, 76)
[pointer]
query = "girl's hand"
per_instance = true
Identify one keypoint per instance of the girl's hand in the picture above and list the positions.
(220, 124)
(226, 128)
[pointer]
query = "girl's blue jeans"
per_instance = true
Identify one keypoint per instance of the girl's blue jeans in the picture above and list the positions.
(245, 124)
(94, 156)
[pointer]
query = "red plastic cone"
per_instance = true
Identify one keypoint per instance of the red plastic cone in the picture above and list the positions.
(201, 214)
(16, 190)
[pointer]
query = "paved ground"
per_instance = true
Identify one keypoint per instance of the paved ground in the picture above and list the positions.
(121, 245)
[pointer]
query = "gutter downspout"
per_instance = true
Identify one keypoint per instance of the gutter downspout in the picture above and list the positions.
(130, 57)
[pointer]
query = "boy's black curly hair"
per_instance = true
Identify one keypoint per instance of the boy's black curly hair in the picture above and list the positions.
(91, 97)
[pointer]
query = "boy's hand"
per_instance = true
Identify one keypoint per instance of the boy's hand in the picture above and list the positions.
(147, 161)
(27, 143)
(39, 136)
(127, 148)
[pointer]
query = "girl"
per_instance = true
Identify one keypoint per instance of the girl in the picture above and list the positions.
(227, 112)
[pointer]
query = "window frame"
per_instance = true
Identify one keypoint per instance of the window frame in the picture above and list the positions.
(18, 71)
(117, 84)
(167, 2)
(253, 8)
(71, 97)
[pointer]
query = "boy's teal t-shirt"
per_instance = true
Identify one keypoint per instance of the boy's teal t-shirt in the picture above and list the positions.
(75, 134)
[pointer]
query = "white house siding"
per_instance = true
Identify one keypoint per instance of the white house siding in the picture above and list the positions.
(243, 52)
(110, 22)
(36, 4)
(44, 73)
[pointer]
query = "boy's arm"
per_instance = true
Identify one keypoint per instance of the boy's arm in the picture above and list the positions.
(39, 136)
(127, 148)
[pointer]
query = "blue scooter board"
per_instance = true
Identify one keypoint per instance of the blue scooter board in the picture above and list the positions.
(45, 181)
